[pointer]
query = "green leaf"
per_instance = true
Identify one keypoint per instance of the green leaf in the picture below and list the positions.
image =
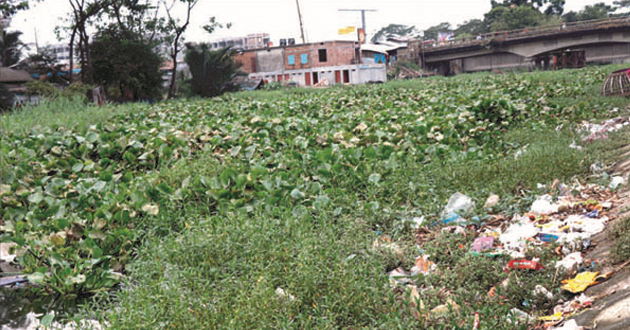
(234, 151)
(77, 279)
(97, 234)
(37, 278)
(5, 189)
(99, 186)
(374, 178)
(78, 167)
(297, 194)
(47, 320)
(164, 188)
(35, 198)
(91, 137)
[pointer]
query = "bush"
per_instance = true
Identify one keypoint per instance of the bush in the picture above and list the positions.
(42, 88)
(49, 90)
(6, 98)
(212, 71)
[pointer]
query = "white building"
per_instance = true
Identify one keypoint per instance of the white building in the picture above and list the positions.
(61, 51)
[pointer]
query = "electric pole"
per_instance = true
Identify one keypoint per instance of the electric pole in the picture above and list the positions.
(362, 17)
(300, 17)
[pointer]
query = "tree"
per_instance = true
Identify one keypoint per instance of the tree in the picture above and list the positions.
(471, 28)
(518, 3)
(9, 8)
(432, 32)
(45, 63)
(622, 4)
(82, 14)
(212, 71)
(502, 18)
(596, 11)
(555, 8)
(175, 30)
(123, 61)
(394, 30)
(11, 47)
(137, 17)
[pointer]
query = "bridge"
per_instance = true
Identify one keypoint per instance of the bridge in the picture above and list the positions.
(587, 42)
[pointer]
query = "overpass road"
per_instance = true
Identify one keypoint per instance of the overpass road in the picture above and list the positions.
(590, 42)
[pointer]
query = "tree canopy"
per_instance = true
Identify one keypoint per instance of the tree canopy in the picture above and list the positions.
(504, 18)
(506, 15)
(9, 8)
(590, 12)
(122, 61)
(394, 30)
(212, 71)
(11, 47)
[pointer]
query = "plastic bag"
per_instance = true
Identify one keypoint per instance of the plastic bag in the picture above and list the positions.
(580, 282)
(459, 204)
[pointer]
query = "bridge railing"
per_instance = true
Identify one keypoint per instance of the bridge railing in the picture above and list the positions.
(538, 30)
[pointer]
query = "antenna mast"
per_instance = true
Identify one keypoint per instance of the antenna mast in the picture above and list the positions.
(362, 17)
(300, 17)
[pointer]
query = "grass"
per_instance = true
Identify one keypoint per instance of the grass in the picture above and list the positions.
(202, 264)
(61, 112)
(620, 233)
(222, 269)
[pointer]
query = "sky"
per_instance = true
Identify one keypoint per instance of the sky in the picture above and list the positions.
(279, 18)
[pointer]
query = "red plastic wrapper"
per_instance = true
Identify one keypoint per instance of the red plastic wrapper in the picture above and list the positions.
(525, 264)
(476, 324)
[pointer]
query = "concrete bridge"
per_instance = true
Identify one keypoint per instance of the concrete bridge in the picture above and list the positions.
(596, 42)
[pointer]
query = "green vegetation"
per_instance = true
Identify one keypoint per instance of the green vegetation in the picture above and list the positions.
(620, 233)
(212, 70)
(204, 209)
(126, 66)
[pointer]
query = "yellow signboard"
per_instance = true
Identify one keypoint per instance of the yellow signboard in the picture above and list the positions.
(347, 30)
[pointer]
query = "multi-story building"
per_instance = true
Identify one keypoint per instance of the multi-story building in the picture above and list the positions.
(61, 51)
(251, 41)
(319, 63)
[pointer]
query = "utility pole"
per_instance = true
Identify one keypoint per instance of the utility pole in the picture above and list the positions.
(297, 2)
(362, 17)
(36, 43)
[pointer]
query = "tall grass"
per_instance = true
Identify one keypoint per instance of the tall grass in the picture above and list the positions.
(72, 113)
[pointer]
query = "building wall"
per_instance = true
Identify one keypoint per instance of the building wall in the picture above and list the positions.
(337, 53)
(269, 60)
(248, 61)
(325, 76)
(290, 57)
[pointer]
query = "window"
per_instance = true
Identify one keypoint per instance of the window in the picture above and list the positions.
(304, 59)
(291, 59)
(322, 55)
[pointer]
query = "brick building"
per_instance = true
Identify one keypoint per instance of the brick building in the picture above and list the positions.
(319, 63)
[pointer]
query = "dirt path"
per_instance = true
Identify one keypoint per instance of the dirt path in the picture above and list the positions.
(611, 308)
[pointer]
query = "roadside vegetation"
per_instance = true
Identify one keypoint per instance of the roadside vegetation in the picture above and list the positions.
(261, 210)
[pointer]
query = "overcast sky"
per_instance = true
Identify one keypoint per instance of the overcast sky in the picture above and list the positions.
(279, 17)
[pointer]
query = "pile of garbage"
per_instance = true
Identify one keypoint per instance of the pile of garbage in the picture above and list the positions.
(600, 131)
(564, 222)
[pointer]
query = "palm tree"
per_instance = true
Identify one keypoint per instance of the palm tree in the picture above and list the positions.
(11, 47)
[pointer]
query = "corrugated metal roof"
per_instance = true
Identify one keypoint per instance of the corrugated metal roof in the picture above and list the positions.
(379, 48)
(14, 76)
